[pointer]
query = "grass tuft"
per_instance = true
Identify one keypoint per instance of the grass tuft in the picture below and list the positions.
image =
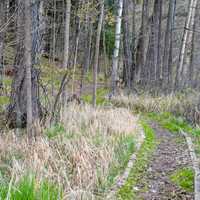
(184, 178)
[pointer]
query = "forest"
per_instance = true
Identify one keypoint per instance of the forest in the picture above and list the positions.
(99, 100)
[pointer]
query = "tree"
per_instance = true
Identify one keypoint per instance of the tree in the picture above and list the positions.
(25, 108)
(167, 59)
(179, 71)
(96, 58)
(142, 44)
(117, 46)
(2, 38)
(66, 34)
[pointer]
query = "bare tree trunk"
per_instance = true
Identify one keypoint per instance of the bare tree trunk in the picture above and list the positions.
(2, 34)
(159, 60)
(66, 46)
(192, 55)
(178, 80)
(167, 46)
(189, 50)
(117, 46)
(143, 44)
(128, 62)
(28, 65)
(22, 110)
(96, 58)
(66, 34)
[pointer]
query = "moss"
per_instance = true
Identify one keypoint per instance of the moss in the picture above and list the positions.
(138, 171)
(184, 178)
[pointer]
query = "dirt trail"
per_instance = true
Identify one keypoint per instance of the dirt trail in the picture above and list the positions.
(170, 155)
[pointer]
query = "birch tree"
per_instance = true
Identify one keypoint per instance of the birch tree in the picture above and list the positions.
(117, 46)
(192, 5)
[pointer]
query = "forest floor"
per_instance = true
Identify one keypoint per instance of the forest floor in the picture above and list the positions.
(170, 155)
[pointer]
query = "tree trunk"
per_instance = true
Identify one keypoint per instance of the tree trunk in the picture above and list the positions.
(24, 102)
(66, 34)
(117, 46)
(143, 44)
(192, 55)
(96, 57)
(168, 45)
(28, 65)
(2, 35)
(186, 74)
(179, 71)
(128, 63)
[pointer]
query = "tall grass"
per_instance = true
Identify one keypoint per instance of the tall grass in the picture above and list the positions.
(185, 105)
(27, 188)
(78, 154)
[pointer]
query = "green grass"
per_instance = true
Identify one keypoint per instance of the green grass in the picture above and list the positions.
(172, 123)
(55, 130)
(184, 178)
(138, 171)
(124, 148)
(175, 124)
(28, 189)
(100, 99)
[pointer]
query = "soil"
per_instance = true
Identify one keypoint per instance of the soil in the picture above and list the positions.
(171, 154)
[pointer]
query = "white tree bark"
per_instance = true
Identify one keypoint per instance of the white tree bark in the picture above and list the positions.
(117, 46)
(185, 70)
(192, 6)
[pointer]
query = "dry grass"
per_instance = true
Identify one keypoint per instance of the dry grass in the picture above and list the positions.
(78, 160)
(180, 104)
